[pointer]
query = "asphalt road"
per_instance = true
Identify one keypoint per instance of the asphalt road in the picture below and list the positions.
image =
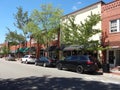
(17, 76)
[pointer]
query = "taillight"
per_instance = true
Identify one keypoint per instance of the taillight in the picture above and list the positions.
(89, 62)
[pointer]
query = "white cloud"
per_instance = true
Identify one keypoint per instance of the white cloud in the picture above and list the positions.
(79, 2)
(74, 8)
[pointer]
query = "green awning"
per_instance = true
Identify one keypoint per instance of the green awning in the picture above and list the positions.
(26, 49)
(21, 49)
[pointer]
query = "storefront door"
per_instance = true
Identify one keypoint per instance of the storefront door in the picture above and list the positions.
(117, 63)
(111, 58)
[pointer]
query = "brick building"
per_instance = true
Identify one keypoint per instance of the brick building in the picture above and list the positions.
(111, 32)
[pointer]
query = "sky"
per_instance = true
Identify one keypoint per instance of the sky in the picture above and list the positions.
(8, 8)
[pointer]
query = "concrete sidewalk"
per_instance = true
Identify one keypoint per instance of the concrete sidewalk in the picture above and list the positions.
(115, 72)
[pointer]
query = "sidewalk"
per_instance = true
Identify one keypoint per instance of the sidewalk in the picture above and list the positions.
(113, 73)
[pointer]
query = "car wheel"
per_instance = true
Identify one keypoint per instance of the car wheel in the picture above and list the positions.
(44, 64)
(21, 61)
(59, 66)
(26, 62)
(36, 64)
(79, 69)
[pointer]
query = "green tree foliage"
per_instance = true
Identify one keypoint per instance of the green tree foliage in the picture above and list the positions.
(14, 38)
(80, 34)
(44, 24)
(22, 19)
(5, 50)
(35, 32)
(48, 20)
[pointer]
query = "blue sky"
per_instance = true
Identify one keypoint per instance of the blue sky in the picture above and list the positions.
(9, 7)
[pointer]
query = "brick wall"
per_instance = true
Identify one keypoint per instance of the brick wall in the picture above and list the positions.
(110, 11)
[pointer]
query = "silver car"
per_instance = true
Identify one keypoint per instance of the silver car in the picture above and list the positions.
(28, 59)
(10, 57)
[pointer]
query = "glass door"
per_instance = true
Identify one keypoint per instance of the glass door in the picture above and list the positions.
(111, 58)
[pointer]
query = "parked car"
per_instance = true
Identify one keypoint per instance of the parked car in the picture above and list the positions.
(78, 63)
(10, 57)
(28, 59)
(1, 56)
(45, 61)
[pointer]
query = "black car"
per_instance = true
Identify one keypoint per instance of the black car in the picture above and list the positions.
(78, 63)
(45, 61)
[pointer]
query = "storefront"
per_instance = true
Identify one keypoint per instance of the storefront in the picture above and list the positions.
(113, 57)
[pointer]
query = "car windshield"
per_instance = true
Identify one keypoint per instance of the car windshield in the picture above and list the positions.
(83, 57)
(43, 58)
(46, 58)
(32, 56)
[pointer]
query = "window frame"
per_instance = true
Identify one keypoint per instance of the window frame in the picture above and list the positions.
(117, 26)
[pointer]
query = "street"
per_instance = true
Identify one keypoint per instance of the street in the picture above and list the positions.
(17, 76)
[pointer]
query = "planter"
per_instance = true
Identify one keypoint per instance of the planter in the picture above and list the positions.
(106, 68)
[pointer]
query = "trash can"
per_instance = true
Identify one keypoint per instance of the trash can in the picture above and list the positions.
(106, 68)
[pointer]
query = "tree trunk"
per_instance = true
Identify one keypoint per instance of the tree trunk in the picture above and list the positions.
(58, 43)
(38, 50)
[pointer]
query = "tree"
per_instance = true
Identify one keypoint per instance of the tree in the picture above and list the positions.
(22, 19)
(37, 34)
(45, 24)
(14, 37)
(48, 20)
(5, 50)
(80, 34)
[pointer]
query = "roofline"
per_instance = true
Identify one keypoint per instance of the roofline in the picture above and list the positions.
(84, 8)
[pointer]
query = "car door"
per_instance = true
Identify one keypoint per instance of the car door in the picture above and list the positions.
(42, 59)
(71, 62)
(65, 62)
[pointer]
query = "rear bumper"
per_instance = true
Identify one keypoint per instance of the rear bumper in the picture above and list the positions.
(91, 68)
(31, 61)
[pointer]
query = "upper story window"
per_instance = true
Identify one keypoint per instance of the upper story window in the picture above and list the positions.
(115, 26)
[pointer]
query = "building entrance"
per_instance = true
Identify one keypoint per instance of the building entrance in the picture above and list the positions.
(111, 58)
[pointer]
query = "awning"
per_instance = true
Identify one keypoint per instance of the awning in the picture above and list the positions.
(72, 47)
(29, 49)
(26, 49)
(51, 48)
(20, 50)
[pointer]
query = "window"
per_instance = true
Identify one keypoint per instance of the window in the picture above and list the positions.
(115, 26)
(84, 57)
(26, 56)
(72, 58)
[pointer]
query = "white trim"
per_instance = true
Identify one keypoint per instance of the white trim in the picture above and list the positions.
(118, 25)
